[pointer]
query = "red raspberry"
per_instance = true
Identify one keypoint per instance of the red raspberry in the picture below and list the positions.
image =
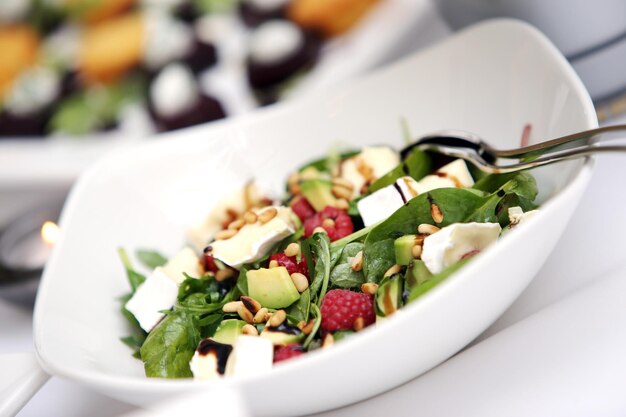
(341, 223)
(291, 263)
(283, 353)
(302, 208)
(340, 308)
(208, 263)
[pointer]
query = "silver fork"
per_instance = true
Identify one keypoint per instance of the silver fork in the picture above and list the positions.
(472, 148)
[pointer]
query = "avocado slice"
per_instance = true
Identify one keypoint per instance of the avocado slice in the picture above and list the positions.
(228, 331)
(283, 334)
(404, 249)
(416, 274)
(272, 287)
(389, 296)
(319, 193)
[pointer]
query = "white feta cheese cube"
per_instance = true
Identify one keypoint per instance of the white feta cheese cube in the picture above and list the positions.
(204, 367)
(379, 205)
(408, 187)
(157, 293)
(210, 359)
(517, 215)
(372, 163)
(457, 172)
(453, 175)
(252, 355)
(237, 202)
(450, 244)
(432, 182)
(184, 261)
(253, 241)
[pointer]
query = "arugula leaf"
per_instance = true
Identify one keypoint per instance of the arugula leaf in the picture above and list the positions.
(320, 249)
(134, 278)
(417, 165)
(242, 281)
(134, 342)
(150, 258)
(456, 204)
(170, 345)
(342, 275)
(520, 183)
(316, 326)
(430, 283)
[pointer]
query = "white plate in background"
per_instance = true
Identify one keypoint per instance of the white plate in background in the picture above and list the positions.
(57, 161)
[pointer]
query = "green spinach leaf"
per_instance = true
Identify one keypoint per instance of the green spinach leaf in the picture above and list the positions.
(342, 275)
(456, 204)
(299, 311)
(417, 165)
(170, 345)
(151, 259)
(320, 250)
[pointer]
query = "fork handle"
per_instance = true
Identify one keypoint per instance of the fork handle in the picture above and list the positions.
(556, 156)
(580, 140)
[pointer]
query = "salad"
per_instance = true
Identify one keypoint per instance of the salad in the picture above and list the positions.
(357, 236)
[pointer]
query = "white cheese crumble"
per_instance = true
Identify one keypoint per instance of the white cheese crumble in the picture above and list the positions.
(275, 41)
(174, 91)
(32, 91)
(253, 241)
(450, 244)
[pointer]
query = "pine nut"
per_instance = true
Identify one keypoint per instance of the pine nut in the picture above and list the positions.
(369, 288)
(251, 304)
(250, 217)
(392, 271)
(342, 204)
(319, 229)
(427, 229)
(293, 249)
(236, 225)
(416, 251)
(300, 281)
(359, 324)
(308, 328)
(232, 306)
(328, 341)
(225, 234)
(357, 261)
(328, 223)
(267, 215)
(294, 178)
(250, 330)
(435, 213)
(342, 182)
(295, 189)
(273, 263)
(341, 192)
(278, 318)
(259, 317)
(224, 274)
(245, 314)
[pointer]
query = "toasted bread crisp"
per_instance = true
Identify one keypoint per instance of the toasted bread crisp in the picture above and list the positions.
(19, 47)
(331, 17)
(111, 48)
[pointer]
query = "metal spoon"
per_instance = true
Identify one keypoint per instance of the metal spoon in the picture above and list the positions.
(472, 148)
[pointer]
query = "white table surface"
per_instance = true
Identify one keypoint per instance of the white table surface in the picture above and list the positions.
(589, 250)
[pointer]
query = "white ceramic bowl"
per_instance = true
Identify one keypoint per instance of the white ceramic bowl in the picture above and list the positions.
(491, 79)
